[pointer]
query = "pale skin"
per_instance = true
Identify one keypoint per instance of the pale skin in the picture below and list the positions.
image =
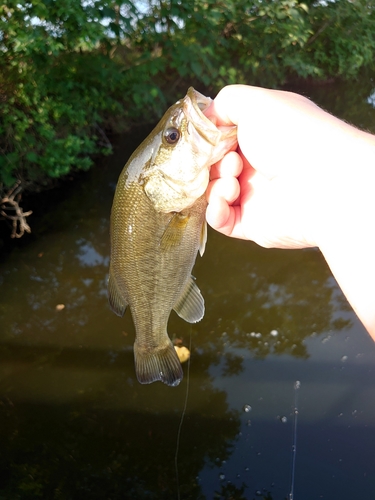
(299, 178)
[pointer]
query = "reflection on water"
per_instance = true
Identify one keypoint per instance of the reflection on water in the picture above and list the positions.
(75, 424)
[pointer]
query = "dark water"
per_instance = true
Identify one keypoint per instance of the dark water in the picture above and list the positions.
(75, 423)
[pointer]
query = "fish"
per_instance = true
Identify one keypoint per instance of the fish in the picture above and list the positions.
(157, 228)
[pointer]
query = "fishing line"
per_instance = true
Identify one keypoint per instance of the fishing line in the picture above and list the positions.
(297, 385)
(182, 419)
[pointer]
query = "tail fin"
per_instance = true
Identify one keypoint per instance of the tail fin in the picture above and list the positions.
(158, 364)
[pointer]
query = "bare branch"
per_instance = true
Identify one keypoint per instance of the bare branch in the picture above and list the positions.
(319, 31)
(9, 204)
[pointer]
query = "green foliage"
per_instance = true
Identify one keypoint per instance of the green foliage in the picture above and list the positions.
(56, 88)
(71, 70)
(343, 39)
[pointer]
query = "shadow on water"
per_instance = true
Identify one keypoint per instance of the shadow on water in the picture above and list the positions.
(75, 424)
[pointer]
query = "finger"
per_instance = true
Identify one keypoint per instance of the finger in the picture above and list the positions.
(229, 166)
(224, 218)
(220, 216)
(227, 188)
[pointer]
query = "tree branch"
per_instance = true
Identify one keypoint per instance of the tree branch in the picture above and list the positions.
(10, 203)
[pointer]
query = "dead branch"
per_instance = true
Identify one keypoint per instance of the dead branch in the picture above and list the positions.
(10, 210)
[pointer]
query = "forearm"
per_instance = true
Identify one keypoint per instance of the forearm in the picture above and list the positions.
(352, 270)
(347, 237)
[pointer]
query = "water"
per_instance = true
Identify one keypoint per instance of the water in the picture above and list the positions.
(75, 423)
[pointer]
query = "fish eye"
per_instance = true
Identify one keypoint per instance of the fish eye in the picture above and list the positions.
(172, 135)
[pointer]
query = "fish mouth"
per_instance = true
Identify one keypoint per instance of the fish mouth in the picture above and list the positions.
(194, 106)
(199, 101)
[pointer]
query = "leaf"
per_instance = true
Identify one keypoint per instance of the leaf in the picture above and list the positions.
(197, 68)
(31, 156)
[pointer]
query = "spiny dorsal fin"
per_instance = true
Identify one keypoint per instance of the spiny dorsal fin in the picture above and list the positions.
(158, 364)
(190, 305)
(117, 303)
(174, 231)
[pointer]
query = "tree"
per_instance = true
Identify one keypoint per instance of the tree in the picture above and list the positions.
(70, 71)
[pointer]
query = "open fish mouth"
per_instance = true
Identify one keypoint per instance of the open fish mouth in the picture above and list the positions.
(195, 104)
(199, 101)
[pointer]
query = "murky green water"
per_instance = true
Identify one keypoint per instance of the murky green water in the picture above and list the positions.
(75, 423)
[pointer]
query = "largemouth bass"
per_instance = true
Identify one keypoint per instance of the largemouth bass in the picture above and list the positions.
(157, 227)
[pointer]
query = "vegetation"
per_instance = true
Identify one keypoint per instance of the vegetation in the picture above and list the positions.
(70, 71)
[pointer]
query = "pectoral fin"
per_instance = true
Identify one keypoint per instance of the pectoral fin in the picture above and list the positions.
(203, 240)
(117, 303)
(190, 305)
(174, 231)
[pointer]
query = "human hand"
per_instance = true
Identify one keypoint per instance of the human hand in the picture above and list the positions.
(276, 187)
